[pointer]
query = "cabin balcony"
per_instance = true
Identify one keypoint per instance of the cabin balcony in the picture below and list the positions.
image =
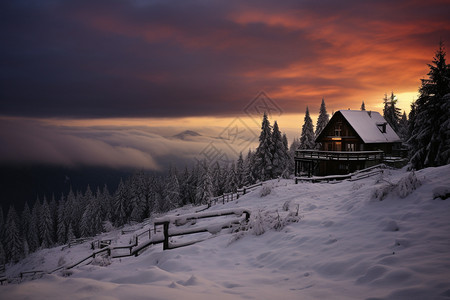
(321, 163)
(339, 155)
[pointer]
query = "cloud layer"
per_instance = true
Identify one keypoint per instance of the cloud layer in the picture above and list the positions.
(195, 58)
(28, 141)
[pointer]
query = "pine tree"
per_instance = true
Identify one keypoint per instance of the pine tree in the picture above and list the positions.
(61, 231)
(106, 204)
(264, 151)
(25, 221)
(322, 121)
(184, 187)
(231, 179)
(138, 197)
(2, 224)
(249, 164)
(363, 106)
(172, 197)
(323, 118)
(391, 113)
(122, 207)
(307, 137)
(46, 225)
(240, 171)
(13, 241)
(403, 127)
(287, 158)
(203, 191)
(429, 143)
(34, 241)
(278, 152)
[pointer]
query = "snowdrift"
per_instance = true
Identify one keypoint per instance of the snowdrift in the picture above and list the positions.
(384, 237)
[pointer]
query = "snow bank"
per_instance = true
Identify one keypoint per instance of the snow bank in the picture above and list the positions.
(343, 245)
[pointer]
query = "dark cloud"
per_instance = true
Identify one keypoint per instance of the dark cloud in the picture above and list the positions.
(195, 58)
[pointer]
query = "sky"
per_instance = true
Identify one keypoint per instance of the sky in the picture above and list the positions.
(111, 82)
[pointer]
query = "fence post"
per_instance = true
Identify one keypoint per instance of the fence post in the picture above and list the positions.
(166, 235)
(223, 199)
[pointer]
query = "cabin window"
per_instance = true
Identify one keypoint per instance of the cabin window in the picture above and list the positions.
(337, 129)
(350, 147)
(330, 146)
(382, 127)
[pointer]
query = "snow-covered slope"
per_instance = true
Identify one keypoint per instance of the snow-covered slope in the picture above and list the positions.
(347, 244)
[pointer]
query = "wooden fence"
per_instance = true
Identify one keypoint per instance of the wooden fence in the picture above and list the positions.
(180, 220)
(227, 197)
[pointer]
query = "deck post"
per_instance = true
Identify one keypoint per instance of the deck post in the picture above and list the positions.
(166, 235)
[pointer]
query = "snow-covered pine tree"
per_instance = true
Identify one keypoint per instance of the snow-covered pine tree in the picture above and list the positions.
(106, 204)
(322, 121)
(307, 137)
(2, 254)
(172, 197)
(193, 182)
(249, 164)
(294, 146)
(122, 207)
(391, 113)
(231, 179)
(403, 127)
(25, 220)
(278, 153)
(217, 180)
(203, 191)
(184, 187)
(240, 171)
(35, 242)
(287, 158)
(138, 197)
(363, 106)
(61, 228)
(264, 151)
(46, 226)
(2, 224)
(13, 240)
(429, 143)
(323, 118)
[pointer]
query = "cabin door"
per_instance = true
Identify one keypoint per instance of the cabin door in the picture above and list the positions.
(337, 146)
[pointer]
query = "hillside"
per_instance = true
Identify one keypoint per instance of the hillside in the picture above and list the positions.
(377, 238)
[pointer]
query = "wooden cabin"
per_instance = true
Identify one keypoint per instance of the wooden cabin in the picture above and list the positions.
(352, 140)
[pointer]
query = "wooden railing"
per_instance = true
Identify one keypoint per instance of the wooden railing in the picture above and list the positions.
(227, 197)
(181, 220)
(340, 155)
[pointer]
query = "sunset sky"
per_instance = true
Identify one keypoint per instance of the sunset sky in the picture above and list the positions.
(107, 82)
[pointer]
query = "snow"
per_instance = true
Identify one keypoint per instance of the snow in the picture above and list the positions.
(343, 244)
(365, 125)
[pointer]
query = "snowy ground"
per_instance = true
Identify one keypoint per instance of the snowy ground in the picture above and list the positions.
(347, 244)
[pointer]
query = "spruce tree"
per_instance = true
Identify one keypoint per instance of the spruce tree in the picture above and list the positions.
(240, 171)
(13, 240)
(403, 127)
(46, 225)
(61, 230)
(307, 137)
(363, 106)
(231, 179)
(203, 191)
(172, 198)
(264, 151)
(323, 118)
(122, 207)
(249, 164)
(287, 158)
(391, 113)
(278, 152)
(429, 143)
(322, 121)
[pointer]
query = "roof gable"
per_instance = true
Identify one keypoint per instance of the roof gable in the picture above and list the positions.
(368, 126)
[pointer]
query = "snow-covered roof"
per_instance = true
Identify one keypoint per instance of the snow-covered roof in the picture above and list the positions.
(367, 125)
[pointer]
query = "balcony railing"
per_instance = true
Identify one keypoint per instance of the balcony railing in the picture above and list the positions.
(339, 155)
